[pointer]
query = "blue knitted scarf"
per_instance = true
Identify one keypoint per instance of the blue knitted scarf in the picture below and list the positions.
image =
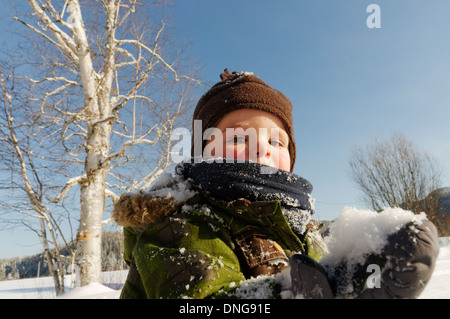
(254, 182)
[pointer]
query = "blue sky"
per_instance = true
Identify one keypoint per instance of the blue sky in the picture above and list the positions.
(348, 83)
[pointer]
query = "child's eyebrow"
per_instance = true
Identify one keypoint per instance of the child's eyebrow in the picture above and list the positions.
(281, 132)
(243, 126)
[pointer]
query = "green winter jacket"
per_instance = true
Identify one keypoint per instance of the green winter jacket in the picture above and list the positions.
(195, 249)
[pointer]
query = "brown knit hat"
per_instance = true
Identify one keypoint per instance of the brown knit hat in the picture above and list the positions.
(239, 91)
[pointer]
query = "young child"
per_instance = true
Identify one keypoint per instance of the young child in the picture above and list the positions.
(226, 227)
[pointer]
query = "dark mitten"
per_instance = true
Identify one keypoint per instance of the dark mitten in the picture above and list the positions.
(309, 279)
(410, 256)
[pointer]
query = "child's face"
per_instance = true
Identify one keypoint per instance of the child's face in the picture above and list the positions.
(254, 135)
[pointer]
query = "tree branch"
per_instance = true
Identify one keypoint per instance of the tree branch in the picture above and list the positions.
(69, 184)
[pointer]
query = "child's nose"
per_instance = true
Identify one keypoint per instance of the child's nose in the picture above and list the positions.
(260, 152)
(263, 149)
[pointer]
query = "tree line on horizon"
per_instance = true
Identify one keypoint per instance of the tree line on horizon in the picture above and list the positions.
(37, 266)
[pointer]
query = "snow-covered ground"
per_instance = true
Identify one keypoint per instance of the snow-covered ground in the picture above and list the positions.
(439, 285)
(42, 288)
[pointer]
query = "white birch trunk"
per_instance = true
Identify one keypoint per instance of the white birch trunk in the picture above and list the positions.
(92, 197)
(92, 207)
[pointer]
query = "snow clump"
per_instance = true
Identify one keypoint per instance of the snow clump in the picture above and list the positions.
(357, 233)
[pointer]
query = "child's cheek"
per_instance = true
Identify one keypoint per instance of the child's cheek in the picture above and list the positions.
(284, 161)
(235, 152)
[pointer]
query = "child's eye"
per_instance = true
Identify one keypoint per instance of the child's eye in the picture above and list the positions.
(276, 142)
(238, 140)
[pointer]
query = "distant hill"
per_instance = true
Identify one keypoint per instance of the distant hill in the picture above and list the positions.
(444, 194)
(439, 198)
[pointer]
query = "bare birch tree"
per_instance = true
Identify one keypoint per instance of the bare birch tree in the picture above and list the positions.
(107, 89)
(394, 173)
(16, 153)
